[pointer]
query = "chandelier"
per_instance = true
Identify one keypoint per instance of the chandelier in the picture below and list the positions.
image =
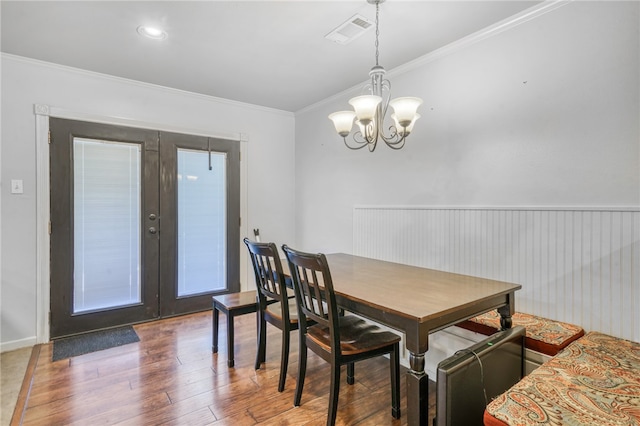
(371, 109)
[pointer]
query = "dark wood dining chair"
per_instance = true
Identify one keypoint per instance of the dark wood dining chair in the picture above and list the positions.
(274, 305)
(339, 340)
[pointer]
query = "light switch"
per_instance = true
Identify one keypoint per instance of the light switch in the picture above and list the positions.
(16, 186)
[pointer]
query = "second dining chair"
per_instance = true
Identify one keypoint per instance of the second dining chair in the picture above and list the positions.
(274, 305)
(339, 340)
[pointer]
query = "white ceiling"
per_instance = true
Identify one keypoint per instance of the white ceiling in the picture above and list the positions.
(268, 53)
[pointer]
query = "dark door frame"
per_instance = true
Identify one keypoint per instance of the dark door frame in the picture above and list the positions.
(150, 307)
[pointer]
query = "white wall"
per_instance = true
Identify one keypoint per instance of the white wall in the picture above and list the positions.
(25, 83)
(542, 115)
(545, 113)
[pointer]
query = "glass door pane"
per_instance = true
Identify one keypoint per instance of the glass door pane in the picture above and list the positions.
(201, 211)
(106, 224)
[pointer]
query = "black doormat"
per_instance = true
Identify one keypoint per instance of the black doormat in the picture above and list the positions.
(92, 342)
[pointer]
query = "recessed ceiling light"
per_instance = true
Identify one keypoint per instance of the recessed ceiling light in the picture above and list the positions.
(152, 32)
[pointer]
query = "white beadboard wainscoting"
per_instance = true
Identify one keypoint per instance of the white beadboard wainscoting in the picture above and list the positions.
(577, 265)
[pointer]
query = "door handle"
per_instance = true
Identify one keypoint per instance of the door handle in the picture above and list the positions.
(152, 230)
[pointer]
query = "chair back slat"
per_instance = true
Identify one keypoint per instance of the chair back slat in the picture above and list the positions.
(313, 289)
(267, 268)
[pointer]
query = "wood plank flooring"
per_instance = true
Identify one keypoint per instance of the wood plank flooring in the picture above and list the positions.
(171, 377)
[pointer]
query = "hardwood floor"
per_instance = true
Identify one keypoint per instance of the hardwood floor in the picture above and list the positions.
(172, 377)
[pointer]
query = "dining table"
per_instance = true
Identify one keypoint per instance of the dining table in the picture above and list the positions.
(416, 301)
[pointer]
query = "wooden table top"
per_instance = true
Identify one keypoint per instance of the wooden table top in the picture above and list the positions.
(420, 294)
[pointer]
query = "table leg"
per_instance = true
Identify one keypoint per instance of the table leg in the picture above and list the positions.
(215, 328)
(230, 361)
(505, 317)
(417, 391)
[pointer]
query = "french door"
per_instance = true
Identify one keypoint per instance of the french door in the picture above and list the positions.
(144, 224)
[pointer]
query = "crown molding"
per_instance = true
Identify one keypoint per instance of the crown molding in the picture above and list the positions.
(122, 80)
(483, 34)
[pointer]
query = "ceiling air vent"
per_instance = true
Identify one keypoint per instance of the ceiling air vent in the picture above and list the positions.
(353, 28)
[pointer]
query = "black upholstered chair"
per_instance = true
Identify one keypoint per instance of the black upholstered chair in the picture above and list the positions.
(274, 305)
(339, 340)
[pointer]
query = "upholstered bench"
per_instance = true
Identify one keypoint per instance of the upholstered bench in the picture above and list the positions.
(593, 381)
(542, 335)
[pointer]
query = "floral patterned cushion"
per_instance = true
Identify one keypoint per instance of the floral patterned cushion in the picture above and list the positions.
(594, 381)
(543, 335)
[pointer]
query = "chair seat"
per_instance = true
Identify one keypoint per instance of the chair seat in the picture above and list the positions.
(356, 336)
(543, 335)
(242, 301)
(275, 311)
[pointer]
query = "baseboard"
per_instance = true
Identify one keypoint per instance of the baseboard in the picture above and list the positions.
(18, 344)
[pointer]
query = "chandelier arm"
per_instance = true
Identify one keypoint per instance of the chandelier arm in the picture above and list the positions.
(391, 139)
(401, 140)
(394, 137)
(361, 140)
(373, 136)
(398, 145)
(355, 148)
(395, 140)
(361, 143)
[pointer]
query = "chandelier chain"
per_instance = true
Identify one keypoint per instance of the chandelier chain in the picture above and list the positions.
(377, 30)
